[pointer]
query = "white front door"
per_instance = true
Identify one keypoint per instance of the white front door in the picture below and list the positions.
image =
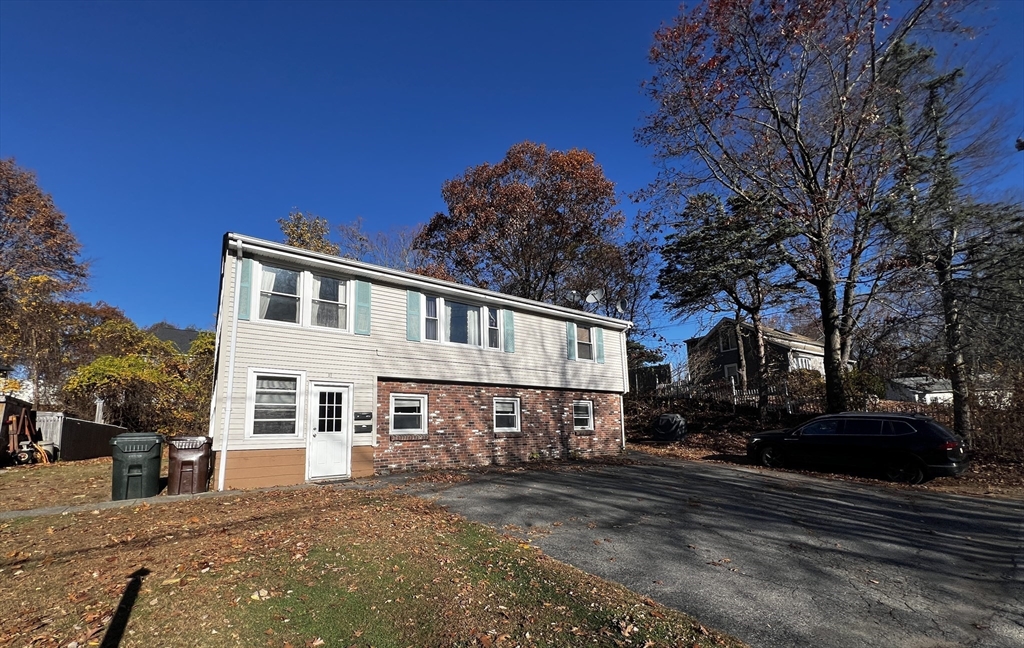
(329, 451)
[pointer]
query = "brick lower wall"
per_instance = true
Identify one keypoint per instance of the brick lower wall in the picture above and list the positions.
(460, 428)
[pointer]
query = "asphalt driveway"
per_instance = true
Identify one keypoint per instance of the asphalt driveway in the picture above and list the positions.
(775, 559)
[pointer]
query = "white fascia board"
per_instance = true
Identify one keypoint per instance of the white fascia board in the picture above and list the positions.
(410, 280)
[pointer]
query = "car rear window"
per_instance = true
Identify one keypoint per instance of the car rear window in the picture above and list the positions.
(898, 427)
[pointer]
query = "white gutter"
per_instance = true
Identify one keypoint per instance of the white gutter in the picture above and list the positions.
(231, 370)
(379, 273)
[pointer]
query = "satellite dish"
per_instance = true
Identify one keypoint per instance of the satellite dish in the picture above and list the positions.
(576, 296)
(595, 296)
(620, 306)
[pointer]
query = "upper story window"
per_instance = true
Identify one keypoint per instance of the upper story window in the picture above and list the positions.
(462, 323)
(493, 328)
(584, 343)
(439, 319)
(330, 302)
(431, 323)
(726, 339)
(279, 294)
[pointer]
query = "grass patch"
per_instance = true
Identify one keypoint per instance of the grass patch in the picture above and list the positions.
(64, 483)
(301, 567)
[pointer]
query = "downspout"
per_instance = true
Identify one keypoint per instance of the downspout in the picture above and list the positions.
(622, 422)
(231, 370)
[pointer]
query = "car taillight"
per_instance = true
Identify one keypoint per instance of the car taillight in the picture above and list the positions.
(949, 445)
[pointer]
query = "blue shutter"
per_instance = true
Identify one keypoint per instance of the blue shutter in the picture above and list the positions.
(412, 316)
(510, 332)
(362, 326)
(570, 340)
(599, 344)
(245, 289)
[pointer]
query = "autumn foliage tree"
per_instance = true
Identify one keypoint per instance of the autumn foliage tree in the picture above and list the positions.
(534, 225)
(778, 102)
(308, 231)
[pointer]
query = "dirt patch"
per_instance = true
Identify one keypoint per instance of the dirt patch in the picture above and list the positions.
(64, 483)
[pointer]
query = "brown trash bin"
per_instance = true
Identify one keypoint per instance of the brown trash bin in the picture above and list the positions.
(189, 464)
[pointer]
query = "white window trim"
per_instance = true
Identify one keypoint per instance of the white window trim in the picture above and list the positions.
(305, 299)
(349, 296)
(257, 291)
(441, 323)
(593, 345)
(494, 414)
(250, 402)
(590, 408)
(424, 412)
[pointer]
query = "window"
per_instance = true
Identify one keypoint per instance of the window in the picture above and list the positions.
(279, 294)
(462, 323)
(455, 322)
(732, 371)
(430, 323)
(408, 414)
(275, 408)
(583, 415)
(820, 428)
(506, 414)
(727, 339)
(584, 345)
(330, 302)
(863, 427)
(493, 329)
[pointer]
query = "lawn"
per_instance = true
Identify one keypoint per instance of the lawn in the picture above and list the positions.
(332, 566)
(64, 483)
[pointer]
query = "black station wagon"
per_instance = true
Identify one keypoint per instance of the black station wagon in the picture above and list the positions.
(908, 448)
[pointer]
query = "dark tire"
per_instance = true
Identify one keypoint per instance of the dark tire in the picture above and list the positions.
(905, 471)
(770, 457)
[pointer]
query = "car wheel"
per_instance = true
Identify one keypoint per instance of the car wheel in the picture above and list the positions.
(770, 456)
(905, 471)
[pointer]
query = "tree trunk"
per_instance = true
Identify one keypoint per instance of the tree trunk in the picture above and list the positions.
(762, 367)
(835, 394)
(35, 371)
(956, 366)
(741, 365)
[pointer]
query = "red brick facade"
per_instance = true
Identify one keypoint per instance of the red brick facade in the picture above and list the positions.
(460, 427)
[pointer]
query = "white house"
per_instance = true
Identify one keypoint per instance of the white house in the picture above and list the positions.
(329, 368)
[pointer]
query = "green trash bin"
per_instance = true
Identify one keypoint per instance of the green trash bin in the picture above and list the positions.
(136, 465)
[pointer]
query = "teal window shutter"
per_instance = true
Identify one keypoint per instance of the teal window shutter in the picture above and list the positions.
(412, 316)
(570, 340)
(362, 326)
(510, 332)
(245, 289)
(599, 344)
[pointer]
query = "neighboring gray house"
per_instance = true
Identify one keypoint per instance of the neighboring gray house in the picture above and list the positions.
(329, 368)
(919, 389)
(714, 356)
(182, 339)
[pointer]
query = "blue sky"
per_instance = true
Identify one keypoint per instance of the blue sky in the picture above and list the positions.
(157, 127)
